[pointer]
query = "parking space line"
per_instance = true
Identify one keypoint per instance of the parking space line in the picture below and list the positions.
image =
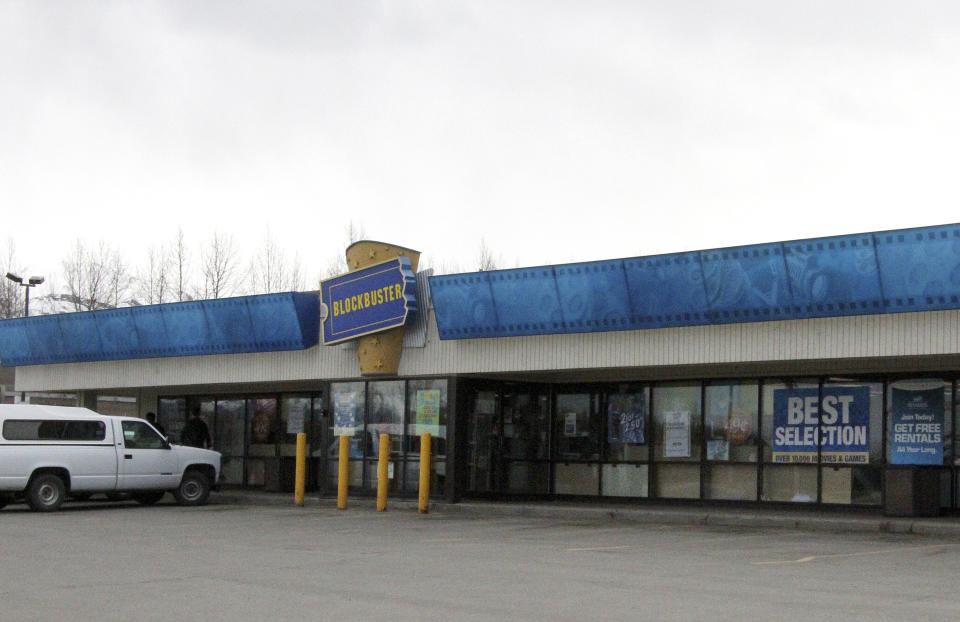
(599, 548)
(810, 558)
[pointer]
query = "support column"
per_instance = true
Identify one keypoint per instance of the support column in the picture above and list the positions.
(87, 399)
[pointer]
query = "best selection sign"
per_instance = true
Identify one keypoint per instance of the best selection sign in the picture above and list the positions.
(374, 299)
(916, 436)
(838, 426)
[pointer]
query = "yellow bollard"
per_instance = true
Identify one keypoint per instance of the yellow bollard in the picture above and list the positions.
(383, 472)
(343, 473)
(300, 481)
(424, 473)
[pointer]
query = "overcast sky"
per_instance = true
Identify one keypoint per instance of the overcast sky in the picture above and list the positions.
(556, 131)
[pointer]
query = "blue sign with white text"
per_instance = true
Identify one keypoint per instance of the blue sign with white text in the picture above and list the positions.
(916, 436)
(370, 300)
(838, 426)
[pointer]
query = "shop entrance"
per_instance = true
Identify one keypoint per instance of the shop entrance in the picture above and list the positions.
(508, 440)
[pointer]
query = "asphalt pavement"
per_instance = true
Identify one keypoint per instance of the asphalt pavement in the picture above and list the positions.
(832, 520)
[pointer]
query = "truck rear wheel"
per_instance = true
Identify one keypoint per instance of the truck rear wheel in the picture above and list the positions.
(46, 492)
(194, 489)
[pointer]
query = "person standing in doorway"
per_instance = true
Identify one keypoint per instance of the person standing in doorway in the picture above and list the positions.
(196, 433)
(152, 420)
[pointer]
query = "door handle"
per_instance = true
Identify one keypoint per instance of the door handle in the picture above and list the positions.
(128, 456)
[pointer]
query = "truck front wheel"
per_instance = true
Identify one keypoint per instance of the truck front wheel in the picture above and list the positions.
(46, 492)
(194, 489)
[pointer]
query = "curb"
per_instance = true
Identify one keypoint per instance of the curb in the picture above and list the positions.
(942, 528)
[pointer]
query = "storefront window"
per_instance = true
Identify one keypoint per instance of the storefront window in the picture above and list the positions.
(262, 435)
(677, 440)
(526, 440)
(427, 413)
(230, 429)
(348, 401)
(956, 448)
(731, 436)
(851, 429)
(919, 422)
(627, 421)
(294, 419)
(789, 448)
(384, 416)
(482, 441)
(920, 427)
(577, 429)
(676, 419)
(172, 415)
(627, 441)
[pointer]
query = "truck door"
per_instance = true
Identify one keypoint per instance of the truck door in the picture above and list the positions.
(146, 461)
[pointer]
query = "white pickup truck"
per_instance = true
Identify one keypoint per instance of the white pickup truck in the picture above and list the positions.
(50, 452)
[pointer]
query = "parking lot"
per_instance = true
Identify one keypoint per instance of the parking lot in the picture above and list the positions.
(120, 561)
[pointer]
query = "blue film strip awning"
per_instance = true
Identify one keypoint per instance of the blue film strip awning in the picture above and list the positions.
(271, 322)
(885, 272)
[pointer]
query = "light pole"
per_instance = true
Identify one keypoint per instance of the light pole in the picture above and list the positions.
(32, 281)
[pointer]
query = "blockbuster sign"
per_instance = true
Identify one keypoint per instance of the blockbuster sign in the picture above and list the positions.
(371, 300)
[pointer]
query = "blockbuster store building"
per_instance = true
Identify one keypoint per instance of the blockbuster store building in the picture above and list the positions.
(818, 372)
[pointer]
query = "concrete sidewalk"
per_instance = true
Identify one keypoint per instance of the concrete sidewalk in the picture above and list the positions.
(828, 520)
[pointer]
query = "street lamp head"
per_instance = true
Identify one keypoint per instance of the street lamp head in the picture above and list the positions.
(36, 280)
(13, 277)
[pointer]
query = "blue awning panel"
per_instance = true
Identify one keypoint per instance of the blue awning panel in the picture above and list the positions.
(885, 272)
(272, 322)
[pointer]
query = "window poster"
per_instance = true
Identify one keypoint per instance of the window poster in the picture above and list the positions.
(295, 421)
(570, 424)
(676, 434)
(263, 423)
(718, 449)
(428, 407)
(297, 415)
(428, 411)
(838, 426)
(344, 413)
(916, 436)
(626, 418)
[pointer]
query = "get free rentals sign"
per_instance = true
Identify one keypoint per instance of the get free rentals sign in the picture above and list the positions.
(371, 300)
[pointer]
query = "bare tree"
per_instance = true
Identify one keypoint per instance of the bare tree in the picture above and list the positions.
(338, 264)
(267, 269)
(485, 259)
(74, 274)
(154, 281)
(11, 299)
(441, 266)
(119, 279)
(96, 278)
(295, 280)
(180, 256)
(272, 271)
(220, 267)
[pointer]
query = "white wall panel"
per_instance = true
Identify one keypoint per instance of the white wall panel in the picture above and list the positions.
(861, 337)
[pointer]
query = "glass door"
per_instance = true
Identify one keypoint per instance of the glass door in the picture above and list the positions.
(229, 438)
(577, 433)
(262, 432)
(295, 414)
(483, 442)
(526, 441)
